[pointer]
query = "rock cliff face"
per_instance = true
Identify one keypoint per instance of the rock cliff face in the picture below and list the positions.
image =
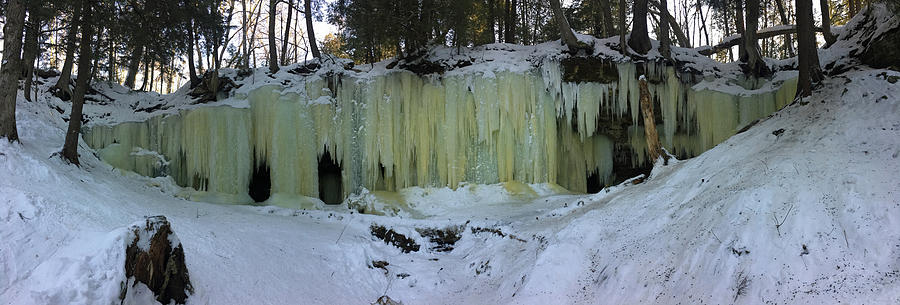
(872, 37)
(884, 51)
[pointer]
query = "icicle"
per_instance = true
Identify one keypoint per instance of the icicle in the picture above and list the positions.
(398, 130)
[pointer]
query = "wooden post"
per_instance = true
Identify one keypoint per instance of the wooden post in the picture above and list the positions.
(653, 146)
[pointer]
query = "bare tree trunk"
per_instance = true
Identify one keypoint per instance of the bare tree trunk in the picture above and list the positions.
(62, 84)
(133, 65)
(111, 48)
(193, 79)
(197, 47)
(146, 76)
(808, 58)
(273, 51)
(788, 41)
(640, 39)
(295, 46)
(755, 62)
(664, 41)
(151, 66)
(826, 23)
(492, 16)
(728, 31)
(30, 50)
(287, 33)
(511, 22)
(702, 22)
(683, 40)
(11, 68)
(606, 11)
(244, 42)
(313, 47)
(739, 25)
(565, 31)
(623, 47)
(70, 148)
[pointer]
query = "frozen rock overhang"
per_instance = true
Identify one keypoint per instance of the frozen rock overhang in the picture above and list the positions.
(398, 129)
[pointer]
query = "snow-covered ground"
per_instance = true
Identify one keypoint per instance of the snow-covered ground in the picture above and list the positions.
(802, 208)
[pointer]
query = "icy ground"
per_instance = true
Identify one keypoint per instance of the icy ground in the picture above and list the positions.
(802, 208)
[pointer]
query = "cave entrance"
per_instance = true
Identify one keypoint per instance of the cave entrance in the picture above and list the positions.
(593, 183)
(330, 184)
(260, 182)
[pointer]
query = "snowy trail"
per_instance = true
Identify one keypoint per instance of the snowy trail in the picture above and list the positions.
(700, 230)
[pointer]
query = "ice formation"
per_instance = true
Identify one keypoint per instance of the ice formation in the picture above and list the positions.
(398, 129)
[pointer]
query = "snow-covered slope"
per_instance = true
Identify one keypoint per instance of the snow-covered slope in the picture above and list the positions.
(802, 208)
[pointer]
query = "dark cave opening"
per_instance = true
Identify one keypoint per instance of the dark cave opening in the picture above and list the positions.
(260, 182)
(594, 184)
(330, 183)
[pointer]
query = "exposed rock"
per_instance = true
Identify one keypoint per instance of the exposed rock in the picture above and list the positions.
(883, 51)
(444, 239)
(211, 87)
(873, 37)
(386, 300)
(307, 69)
(589, 69)
(423, 67)
(391, 237)
(155, 258)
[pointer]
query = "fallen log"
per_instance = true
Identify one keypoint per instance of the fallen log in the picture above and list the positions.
(734, 40)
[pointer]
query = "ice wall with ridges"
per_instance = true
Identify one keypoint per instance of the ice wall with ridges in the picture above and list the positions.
(399, 129)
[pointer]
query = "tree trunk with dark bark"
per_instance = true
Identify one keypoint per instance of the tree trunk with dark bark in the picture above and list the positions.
(683, 40)
(640, 38)
(133, 65)
(664, 41)
(30, 51)
(245, 48)
(11, 68)
(70, 148)
(313, 47)
(273, 50)
(492, 17)
(568, 38)
(788, 41)
(62, 84)
(807, 57)
(755, 63)
(192, 72)
(826, 23)
(623, 47)
(287, 33)
(606, 10)
(739, 26)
